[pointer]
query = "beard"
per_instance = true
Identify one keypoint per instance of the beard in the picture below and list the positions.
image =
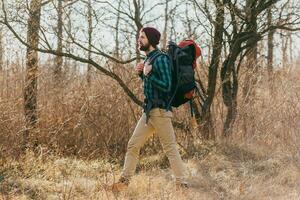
(145, 47)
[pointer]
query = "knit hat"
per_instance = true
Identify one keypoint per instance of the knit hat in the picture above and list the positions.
(152, 34)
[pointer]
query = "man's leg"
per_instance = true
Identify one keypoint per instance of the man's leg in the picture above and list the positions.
(164, 129)
(140, 135)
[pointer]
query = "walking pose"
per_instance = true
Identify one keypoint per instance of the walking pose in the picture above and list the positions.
(156, 74)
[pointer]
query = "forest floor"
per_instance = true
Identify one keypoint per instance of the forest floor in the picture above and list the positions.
(224, 171)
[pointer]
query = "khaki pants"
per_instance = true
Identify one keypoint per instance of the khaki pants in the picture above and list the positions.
(160, 123)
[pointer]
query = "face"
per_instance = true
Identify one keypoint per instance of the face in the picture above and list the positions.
(143, 42)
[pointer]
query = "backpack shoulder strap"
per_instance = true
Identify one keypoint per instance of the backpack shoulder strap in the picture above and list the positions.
(151, 60)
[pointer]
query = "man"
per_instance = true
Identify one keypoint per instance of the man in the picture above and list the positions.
(157, 111)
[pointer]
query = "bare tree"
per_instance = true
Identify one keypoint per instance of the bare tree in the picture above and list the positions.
(68, 40)
(251, 64)
(134, 17)
(117, 28)
(242, 42)
(30, 90)
(59, 59)
(170, 17)
(1, 48)
(190, 29)
(138, 23)
(251, 57)
(90, 32)
(203, 114)
(47, 48)
(271, 33)
(284, 47)
(166, 20)
(236, 29)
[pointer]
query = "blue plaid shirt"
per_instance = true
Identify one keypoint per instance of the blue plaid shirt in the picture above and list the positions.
(158, 82)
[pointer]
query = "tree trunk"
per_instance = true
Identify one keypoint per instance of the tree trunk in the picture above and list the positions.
(230, 85)
(68, 40)
(251, 63)
(207, 124)
(139, 26)
(30, 90)
(251, 66)
(1, 49)
(59, 59)
(291, 56)
(284, 46)
(172, 27)
(270, 50)
(90, 32)
(117, 41)
(164, 38)
(229, 90)
(188, 23)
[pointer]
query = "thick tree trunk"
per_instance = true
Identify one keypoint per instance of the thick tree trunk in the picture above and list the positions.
(206, 120)
(30, 90)
(251, 67)
(251, 59)
(230, 86)
(230, 118)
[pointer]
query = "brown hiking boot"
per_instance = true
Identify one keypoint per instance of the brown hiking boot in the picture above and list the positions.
(119, 186)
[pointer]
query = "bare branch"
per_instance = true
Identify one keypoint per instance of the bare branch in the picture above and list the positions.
(46, 2)
(77, 58)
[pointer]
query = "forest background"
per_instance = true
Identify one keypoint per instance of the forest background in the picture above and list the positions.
(70, 99)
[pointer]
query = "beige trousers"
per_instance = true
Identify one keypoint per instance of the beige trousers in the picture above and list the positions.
(160, 123)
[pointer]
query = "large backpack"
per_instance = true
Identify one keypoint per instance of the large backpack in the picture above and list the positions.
(183, 61)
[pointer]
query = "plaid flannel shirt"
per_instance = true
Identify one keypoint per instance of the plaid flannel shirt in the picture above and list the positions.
(160, 78)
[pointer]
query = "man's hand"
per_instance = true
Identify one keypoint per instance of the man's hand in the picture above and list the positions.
(139, 67)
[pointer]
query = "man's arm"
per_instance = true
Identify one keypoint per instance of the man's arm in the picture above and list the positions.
(162, 78)
(139, 69)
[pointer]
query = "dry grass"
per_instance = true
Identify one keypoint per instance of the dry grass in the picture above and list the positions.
(83, 132)
(227, 172)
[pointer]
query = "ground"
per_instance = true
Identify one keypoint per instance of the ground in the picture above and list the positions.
(223, 172)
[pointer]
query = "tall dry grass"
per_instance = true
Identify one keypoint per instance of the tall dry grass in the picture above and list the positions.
(97, 120)
(73, 120)
(83, 131)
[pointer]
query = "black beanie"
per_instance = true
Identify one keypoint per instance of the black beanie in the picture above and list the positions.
(153, 35)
